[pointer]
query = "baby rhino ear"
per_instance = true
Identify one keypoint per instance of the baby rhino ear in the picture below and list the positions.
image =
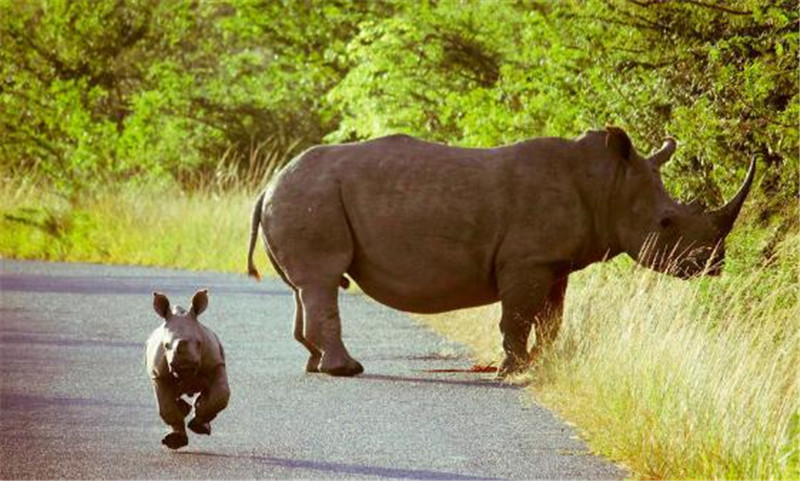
(161, 304)
(200, 301)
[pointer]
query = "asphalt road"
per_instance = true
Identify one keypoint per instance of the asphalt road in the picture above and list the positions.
(75, 401)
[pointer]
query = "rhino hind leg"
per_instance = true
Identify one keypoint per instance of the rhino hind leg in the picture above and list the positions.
(315, 355)
(523, 292)
(323, 328)
(311, 241)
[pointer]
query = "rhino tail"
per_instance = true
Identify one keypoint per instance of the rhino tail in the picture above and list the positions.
(255, 222)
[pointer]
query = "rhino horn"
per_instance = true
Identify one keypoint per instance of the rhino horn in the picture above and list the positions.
(726, 215)
(664, 153)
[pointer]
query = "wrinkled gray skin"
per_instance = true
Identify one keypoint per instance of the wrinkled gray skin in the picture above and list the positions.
(427, 228)
(184, 357)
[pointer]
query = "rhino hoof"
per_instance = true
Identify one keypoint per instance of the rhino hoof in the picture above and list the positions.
(175, 440)
(511, 365)
(350, 368)
(184, 407)
(199, 428)
(313, 364)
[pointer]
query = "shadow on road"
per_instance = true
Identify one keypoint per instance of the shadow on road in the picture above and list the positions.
(25, 402)
(128, 284)
(489, 383)
(339, 468)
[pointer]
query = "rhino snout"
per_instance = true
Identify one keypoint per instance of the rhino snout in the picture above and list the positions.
(184, 370)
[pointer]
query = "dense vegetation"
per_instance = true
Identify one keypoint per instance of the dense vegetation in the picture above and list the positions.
(137, 132)
(193, 92)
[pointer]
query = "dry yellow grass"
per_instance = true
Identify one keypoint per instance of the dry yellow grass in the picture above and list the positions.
(676, 380)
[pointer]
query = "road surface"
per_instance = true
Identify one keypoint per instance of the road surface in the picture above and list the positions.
(75, 401)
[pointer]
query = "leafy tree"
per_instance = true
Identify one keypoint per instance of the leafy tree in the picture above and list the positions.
(140, 89)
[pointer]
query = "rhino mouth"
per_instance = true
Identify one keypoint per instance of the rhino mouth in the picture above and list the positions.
(183, 372)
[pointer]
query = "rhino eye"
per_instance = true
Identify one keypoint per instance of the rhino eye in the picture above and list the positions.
(666, 222)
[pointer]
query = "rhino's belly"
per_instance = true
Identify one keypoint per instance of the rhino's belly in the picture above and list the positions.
(424, 287)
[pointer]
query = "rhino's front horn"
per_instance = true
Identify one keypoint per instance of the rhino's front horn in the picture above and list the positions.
(726, 215)
(664, 153)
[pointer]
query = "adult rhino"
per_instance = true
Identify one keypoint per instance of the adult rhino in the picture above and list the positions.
(426, 228)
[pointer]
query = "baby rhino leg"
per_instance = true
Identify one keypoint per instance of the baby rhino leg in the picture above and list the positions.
(210, 402)
(172, 410)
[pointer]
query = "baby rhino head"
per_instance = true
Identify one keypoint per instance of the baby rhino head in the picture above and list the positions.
(182, 335)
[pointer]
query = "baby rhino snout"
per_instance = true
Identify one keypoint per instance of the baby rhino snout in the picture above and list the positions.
(183, 358)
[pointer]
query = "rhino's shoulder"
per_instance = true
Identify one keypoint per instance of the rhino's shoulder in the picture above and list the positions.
(213, 352)
(154, 357)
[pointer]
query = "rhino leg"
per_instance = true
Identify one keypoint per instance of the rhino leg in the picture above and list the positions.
(172, 412)
(323, 328)
(548, 321)
(523, 291)
(315, 354)
(210, 402)
(307, 231)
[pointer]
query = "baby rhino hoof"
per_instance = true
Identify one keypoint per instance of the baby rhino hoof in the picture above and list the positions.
(175, 440)
(199, 428)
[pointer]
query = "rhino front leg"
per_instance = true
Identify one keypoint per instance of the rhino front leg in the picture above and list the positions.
(523, 291)
(210, 402)
(323, 328)
(172, 410)
(548, 321)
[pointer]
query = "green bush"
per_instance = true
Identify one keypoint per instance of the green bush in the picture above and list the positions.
(108, 91)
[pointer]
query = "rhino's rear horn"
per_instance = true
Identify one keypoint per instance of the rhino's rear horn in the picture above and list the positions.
(662, 155)
(726, 215)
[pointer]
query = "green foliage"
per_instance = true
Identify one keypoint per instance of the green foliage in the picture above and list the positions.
(721, 80)
(108, 90)
(98, 91)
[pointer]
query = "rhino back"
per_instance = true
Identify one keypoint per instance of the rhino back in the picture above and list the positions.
(428, 221)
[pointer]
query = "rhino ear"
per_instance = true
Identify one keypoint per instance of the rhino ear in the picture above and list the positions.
(618, 141)
(161, 304)
(199, 301)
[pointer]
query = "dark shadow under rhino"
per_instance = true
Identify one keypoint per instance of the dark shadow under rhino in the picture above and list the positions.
(427, 228)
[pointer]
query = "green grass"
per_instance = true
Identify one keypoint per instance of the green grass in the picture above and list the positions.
(674, 379)
(134, 225)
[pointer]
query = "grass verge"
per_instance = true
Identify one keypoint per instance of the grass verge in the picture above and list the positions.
(674, 379)
(134, 225)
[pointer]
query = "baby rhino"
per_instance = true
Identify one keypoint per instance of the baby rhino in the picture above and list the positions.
(184, 357)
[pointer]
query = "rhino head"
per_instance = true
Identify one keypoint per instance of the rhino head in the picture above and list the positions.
(182, 337)
(680, 239)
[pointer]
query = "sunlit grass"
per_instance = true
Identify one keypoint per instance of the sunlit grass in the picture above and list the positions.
(674, 379)
(133, 225)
